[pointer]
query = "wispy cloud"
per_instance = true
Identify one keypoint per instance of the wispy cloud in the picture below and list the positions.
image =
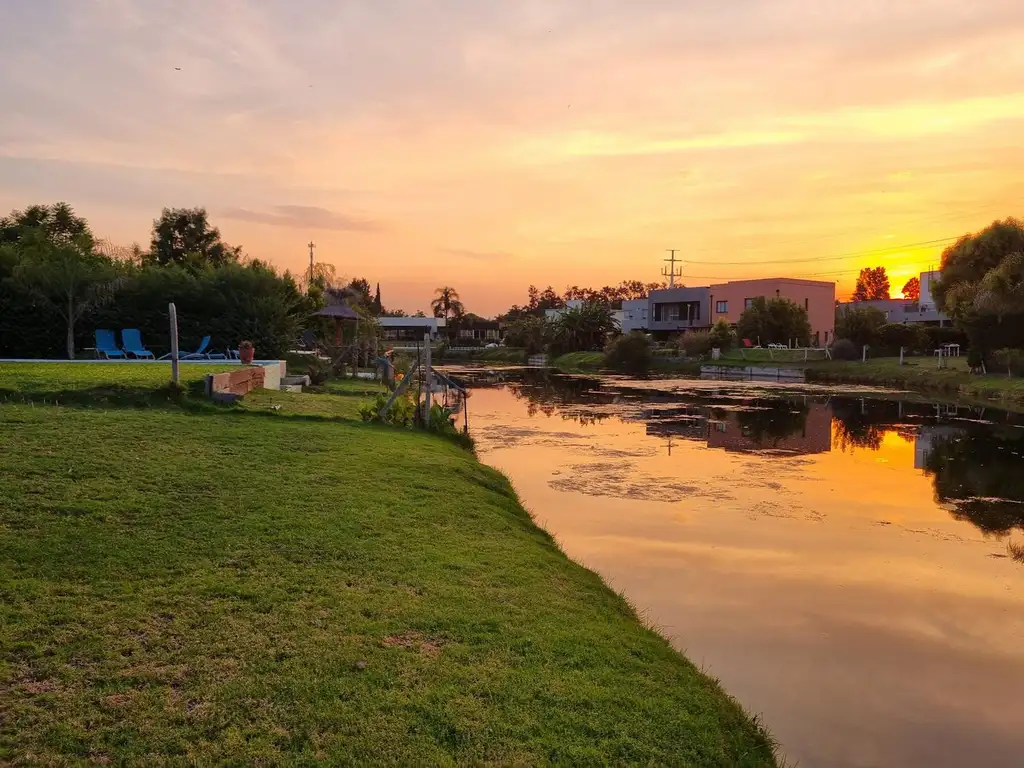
(304, 217)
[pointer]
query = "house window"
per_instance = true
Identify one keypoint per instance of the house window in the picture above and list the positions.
(721, 307)
(671, 312)
(807, 304)
(748, 303)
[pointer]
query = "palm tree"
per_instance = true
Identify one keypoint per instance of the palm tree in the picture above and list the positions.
(447, 304)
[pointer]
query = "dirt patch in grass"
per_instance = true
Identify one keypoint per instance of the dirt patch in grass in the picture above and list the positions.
(414, 641)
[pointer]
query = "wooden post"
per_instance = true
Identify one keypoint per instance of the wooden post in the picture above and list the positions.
(864, 354)
(426, 378)
(901, 355)
(172, 310)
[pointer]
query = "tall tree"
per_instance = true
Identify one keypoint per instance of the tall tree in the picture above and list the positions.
(378, 307)
(57, 223)
(872, 285)
(912, 289)
(184, 236)
(68, 275)
(448, 305)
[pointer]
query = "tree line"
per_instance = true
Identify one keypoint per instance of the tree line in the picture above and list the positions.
(59, 282)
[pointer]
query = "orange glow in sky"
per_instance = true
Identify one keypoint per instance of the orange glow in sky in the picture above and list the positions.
(493, 145)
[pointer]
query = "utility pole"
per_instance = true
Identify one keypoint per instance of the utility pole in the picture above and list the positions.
(312, 245)
(670, 271)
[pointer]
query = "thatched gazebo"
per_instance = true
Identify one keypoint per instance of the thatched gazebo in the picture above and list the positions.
(340, 313)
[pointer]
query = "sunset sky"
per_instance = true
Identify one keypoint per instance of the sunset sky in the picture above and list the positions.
(488, 145)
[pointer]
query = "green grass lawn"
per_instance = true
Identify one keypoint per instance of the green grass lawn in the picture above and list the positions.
(921, 373)
(78, 377)
(227, 586)
(579, 361)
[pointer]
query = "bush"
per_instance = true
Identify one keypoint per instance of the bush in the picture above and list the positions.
(696, 343)
(861, 325)
(893, 336)
(1009, 360)
(844, 349)
(939, 335)
(630, 352)
(401, 413)
(722, 335)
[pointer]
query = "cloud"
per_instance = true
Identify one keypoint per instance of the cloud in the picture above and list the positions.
(304, 217)
(466, 253)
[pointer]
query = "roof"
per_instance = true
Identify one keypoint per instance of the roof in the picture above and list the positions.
(411, 322)
(342, 311)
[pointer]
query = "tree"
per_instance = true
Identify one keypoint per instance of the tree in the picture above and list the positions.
(378, 307)
(184, 236)
(357, 293)
(722, 335)
(778, 321)
(541, 301)
(872, 285)
(57, 223)
(586, 327)
(446, 302)
(528, 332)
(861, 325)
(67, 275)
(912, 289)
(982, 287)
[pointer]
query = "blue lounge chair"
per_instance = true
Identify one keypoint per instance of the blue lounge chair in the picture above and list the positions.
(132, 343)
(106, 345)
(199, 354)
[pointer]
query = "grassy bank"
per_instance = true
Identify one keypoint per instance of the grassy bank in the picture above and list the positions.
(485, 355)
(227, 585)
(576, 362)
(921, 374)
(589, 362)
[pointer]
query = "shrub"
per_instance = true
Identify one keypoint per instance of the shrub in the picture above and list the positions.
(401, 413)
(939, 335)
(844, 349)
(696, 343)
(722, 335)
(892, 336)
(630, 352)
(1009, 360)
(861, 325)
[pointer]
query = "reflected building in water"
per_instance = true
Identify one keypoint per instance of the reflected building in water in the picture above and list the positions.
(787, 427)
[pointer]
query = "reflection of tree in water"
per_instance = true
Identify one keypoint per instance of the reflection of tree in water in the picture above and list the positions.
(858, 424)
(767, 422)
(548, 393)
(978, 473)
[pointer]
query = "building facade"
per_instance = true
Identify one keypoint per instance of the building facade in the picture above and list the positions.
(728, 300)
(678, 309)
(905, 311)
(686, 309)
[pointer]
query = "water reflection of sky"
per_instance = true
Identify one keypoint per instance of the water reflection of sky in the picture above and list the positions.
(841, 563)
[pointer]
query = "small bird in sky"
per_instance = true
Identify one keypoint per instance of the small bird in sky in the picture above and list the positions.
(177, 69)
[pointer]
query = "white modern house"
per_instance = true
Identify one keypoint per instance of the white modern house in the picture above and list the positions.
(906, 311)
(634, 315)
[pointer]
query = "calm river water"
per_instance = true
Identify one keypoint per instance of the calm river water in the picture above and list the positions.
(843, 564)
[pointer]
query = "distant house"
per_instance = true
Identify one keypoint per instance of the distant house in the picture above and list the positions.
(690, 309)
(479, 330)
(634, 315)
(410, 328)
(905, 311)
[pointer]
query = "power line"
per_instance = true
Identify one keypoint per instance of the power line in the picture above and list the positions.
(877, 251)
(854, 270)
